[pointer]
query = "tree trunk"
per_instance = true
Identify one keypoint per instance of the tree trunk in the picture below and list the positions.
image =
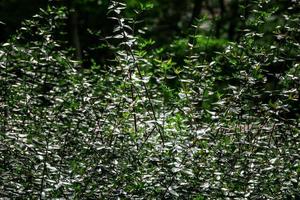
(234, 19)
(220, 21)
(73, 29)
(196, 10)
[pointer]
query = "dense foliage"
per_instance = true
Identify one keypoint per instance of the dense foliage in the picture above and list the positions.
(199, 117)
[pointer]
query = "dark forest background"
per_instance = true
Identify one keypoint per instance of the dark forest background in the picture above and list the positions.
(167, 21)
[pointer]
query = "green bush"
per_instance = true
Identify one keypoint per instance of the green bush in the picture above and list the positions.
(145, 126)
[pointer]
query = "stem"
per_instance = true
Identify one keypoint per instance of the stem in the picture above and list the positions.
(130, 51)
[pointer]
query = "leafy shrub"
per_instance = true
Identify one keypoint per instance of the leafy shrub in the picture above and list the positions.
(146, 127)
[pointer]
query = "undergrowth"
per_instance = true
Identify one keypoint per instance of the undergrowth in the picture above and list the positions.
(154, 123)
